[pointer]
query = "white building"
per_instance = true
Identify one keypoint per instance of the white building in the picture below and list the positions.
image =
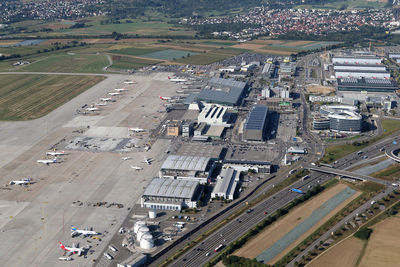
(357, 60)
(168, 194)
(226, 184)
(214, 115)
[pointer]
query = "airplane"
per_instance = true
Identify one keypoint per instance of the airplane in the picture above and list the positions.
(82, 232)
(55, 153)
(136, 167)
(116, 93)
(106, 99)
(147, 160)
(129, 82)
(47, 161)
(101, 104)
(92, 109)
(120, 89)
(165, 98)
(136, 130)
(176, 79)
(297, 191)
(74, 249)
(126, 158)
(24, 181)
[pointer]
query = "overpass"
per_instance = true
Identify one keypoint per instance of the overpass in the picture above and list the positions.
(393, 154)
(346, 174)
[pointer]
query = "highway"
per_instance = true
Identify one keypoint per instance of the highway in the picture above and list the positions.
(236, 228)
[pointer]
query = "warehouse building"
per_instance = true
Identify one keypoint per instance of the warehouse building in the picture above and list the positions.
(341, 119)
(191, 168)
(359, 74)
(246, 165)
(256, 123)
(214, 115)
(355, 59)
(342, 67)
(226, 92)
(168, 194)
(367, 85)
(226, 184)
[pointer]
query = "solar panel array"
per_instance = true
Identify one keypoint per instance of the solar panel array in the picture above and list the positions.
(377, 81)
(349, 80)
(257, 117)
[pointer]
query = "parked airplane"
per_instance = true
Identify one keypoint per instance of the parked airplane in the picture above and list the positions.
(116, 93)
(86, 232)
(147, 160)
(126, 158)
(165, 98)
(24, 181)
(136, 168)
(176, 79)
(106, 99)
(129, 82)
(55, 153)
(92, 109)
(136, 130)
(297, 191)
(74, 249)
(120, 89)
(47, 161)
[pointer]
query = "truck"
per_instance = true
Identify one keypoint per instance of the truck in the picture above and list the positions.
(113, 248)
(108, 256)
(218, 248)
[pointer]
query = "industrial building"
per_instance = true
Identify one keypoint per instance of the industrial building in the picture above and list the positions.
(286, 70)
(341, 119)
(226, 184)
(187, 129)
(227, 92)
(173, 128)
(367, 85)
(246, 165)
(192, 168)
(296, 150)
(357, 59)
(333, 99)
(168, 194)
(214, 115)
(358, 74)
(343, 67)
(256, 123)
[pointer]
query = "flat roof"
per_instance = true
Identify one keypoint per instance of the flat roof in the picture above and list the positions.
(225, 185)
(186, 163)
(367, 83)
(256, 118)
(363, 71)
(215, 131)
(171, 188)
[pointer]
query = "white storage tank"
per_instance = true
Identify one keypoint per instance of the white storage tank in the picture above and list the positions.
(152, 214)
(142, 230)
(146, 241)
(137, 225)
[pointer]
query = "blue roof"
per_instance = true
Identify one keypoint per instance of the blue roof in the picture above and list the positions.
(256, 118)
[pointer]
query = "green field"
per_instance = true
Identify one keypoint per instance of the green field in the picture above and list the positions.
(170, 54)
(135, 51)
(212, 56)
(127, 63)
(69, 63)
(27, 97)
(222, 43)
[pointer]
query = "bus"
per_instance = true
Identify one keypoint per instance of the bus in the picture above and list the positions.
(218, 248)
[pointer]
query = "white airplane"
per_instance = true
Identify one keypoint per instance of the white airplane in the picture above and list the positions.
(136, 167)
(92, 109)
(176, 79)
(82, 232)
(165, 98)
(116, 93)
(136, 130)
(55, 153)
(101, 104)
(47, 161)
(74, 249)
(106, 99)
(121, 89)
(147, 160)
(129, 82)
(126, 158)
(24, 181)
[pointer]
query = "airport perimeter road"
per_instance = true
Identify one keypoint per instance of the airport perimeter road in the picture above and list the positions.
(325, 236)
(236, 228)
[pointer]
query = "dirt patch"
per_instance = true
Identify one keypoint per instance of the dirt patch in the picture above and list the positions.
(383, 246)
(249, 46)
(9, 42)
(349, 250)
(267, 42)
(299, 43)
(319, 89)
(280, 228)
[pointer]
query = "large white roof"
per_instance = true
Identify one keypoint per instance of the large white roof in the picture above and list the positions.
(185, 163)
(160, 187)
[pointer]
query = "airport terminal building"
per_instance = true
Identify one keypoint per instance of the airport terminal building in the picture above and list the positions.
(338, 118)
(168, 194)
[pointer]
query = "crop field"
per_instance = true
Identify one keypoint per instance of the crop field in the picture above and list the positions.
(383, 245)
(135, 51)
(211, 56)
(69, 63)
(271, 244)
(126, 63)
(349, 250)
(217, 43)
(170, 54)
(27, 97)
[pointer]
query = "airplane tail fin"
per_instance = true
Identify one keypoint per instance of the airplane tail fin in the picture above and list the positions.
(73, 228)
(55, 160)
(169, 78)
(61, 245)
